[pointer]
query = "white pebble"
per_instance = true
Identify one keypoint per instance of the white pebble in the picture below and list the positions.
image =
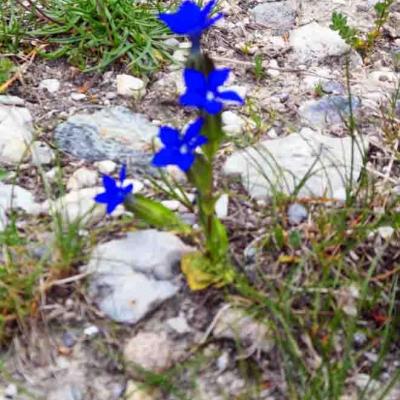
(77, 96)
(130, 86)
(106, 167)
(51, 85)
(91, 330)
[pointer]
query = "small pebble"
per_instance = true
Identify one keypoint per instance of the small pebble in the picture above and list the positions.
(68, 339)
(91, 330)
(221, 206)
(130, 86)
(179, 325)
(386, 232)
(106, 167)
(11, 391)
(51, 85)
(360, 338)
(77, 96)
(223, 362)
(297, 213)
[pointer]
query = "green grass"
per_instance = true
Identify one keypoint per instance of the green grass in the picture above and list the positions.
(91, 34)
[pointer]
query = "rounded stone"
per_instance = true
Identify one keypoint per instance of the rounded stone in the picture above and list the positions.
(148, 350)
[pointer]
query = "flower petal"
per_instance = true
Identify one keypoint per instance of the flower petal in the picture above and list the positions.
(217, 78)
(198, 141)
(185, 161)
(208, 8)
(193, 99)
(231, 96)
(213, 20)
(112, 205)
(213, 107)
(122, 173)
(187, 19)
(127, 190)
(109, 183)
(164, 157)
(170, 137)
(195, 80)
(102, 198)
(193, 130)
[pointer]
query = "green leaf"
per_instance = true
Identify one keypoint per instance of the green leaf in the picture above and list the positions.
(201, 272)
(155, 214)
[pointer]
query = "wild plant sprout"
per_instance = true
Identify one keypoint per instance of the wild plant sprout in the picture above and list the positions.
(193, 151)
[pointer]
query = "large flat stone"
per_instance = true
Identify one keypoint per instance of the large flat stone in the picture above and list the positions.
(280, 165)
(131, 276)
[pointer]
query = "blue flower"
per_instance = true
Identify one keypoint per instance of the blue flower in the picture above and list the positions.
(179, 150)
(115, 193)
(190, 19)
(203, 91)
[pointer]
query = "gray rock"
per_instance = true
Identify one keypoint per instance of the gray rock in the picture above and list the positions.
(131, 276)
(332, 87)
(280, 16)
(327, 111)
(113, 133)
(297, 213)
(314, 42)
(41, 153)
(280, 165)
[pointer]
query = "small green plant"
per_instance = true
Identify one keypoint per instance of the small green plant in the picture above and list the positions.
(91, 34)
(353, 37)
(6, 69)
(318, 90)
(259, 72)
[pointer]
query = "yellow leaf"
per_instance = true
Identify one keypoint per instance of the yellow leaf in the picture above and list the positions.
(285, 259)
(192, 265)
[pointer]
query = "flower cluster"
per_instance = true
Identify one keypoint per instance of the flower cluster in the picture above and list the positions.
(204, 91)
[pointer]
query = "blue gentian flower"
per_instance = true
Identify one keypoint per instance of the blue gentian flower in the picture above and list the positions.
(190, 19)
(179, 150)
(203, 91)
(115, 193)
